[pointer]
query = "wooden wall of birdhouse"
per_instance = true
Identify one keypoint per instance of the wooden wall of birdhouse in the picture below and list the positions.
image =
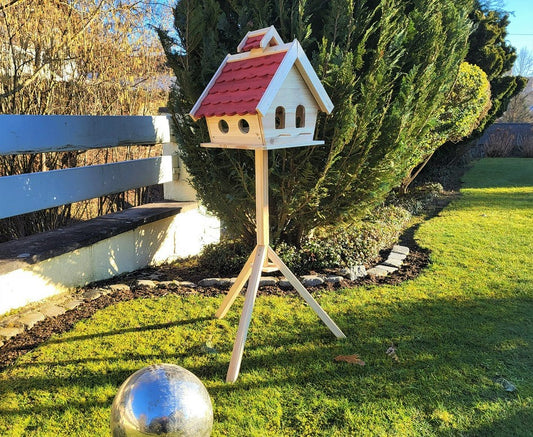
(267, 96)
(236, 129)
(291, 118)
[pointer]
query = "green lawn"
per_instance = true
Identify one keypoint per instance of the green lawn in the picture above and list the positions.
(463, 328)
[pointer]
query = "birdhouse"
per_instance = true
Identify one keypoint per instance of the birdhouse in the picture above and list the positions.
(267, 96)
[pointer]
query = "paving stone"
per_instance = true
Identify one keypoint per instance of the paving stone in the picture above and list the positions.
(345, 272)
(10, 331)
(120, 287)
(311, 280)
(393, 262)
(92, 294)
(284, 283)
(168, 283)
(209, 282)
(268, 281)
(358, 272)
(400, 249)
(353, 273)
(30, 319)
(378, 271)
(217, 282)
(389, 269)
(189, 284)
(334, 279)
(147, 283)
(9, 321)
(73, 303)
(52, 310)
(397, 255)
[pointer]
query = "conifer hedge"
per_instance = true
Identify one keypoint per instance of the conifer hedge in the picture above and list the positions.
(389, 67)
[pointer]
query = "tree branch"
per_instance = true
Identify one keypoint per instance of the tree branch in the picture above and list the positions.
(9, 4)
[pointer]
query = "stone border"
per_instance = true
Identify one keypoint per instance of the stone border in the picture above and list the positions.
(392, 263)
(10, 326)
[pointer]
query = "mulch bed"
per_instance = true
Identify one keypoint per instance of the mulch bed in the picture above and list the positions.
(13, 348)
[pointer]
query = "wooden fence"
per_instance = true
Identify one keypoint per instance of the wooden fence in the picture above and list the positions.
(38, 266)
(39, 134)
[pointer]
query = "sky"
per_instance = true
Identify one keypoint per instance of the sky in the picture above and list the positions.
(520, 30)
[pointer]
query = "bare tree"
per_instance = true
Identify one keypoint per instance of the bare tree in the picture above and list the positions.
(519, 108)
(523, 66)
(79, 57)
(93, 57)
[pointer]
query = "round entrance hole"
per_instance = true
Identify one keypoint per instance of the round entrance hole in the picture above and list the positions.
(244, 126)
(223, 126)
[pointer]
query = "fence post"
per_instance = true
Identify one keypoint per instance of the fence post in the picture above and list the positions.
(179, 189)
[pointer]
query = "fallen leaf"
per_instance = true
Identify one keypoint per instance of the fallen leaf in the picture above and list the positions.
(352, 359)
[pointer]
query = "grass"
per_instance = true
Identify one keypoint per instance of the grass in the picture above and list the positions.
(463, 327)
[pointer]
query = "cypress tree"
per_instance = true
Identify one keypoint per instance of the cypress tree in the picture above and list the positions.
(388, 66)
(489, 51)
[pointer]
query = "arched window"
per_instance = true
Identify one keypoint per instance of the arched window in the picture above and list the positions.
(300, 116)
(280, 117)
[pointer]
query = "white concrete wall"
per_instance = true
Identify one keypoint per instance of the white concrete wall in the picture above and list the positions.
(155, 243)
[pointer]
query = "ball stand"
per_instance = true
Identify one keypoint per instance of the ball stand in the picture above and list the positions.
(262, 259)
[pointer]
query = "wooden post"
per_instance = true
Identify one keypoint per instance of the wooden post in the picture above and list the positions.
(236, 287)
(261, 197)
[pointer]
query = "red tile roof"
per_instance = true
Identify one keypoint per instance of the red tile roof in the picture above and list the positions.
(240, 86)
(252, 42)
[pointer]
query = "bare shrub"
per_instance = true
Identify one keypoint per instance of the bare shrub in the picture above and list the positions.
(525, 144)
(500, 143)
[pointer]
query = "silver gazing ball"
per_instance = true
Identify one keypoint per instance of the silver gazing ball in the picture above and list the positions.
(162, 400)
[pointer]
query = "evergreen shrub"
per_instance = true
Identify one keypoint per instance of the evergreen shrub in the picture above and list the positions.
(489, 50)
(225, 258)
(388, 66)
(343, 246)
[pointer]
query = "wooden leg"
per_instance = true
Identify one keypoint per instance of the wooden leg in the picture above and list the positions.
(305, 294)
(236, 287)
(246, 316)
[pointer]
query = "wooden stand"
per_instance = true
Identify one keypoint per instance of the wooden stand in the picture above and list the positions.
(255, 265)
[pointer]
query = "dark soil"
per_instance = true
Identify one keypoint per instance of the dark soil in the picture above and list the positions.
(418, 259)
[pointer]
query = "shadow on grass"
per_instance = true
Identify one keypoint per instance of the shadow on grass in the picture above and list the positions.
(506, 426)
(515, 200)
(450, 355)
(128, 330)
